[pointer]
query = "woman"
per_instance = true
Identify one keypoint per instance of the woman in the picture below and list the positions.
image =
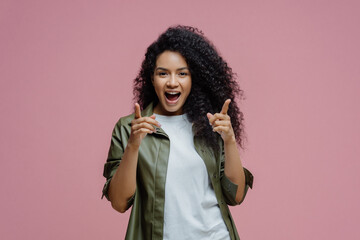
(177, 161)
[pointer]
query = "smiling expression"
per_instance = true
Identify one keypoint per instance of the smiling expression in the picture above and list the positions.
(172, 83)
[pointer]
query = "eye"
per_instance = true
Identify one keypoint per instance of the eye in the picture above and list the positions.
(162, 74)
(183, 74)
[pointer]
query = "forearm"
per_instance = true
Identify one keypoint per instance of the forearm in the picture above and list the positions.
(233, 167)
(123, 183)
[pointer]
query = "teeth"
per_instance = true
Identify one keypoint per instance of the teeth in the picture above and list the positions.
(172, 93)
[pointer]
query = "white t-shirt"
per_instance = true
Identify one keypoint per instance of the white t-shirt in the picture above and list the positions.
(191, 209)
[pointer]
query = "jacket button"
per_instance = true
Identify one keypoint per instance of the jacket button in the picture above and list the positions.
(214, 175)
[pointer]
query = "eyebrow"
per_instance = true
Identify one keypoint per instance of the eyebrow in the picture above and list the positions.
(164, 69)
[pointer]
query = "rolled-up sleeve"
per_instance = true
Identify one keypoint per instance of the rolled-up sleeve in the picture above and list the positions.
(229, 188)
(115, 154)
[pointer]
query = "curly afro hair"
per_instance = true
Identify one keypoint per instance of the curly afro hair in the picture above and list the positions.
(212, 80)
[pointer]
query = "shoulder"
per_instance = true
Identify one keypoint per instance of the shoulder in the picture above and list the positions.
(125, 122)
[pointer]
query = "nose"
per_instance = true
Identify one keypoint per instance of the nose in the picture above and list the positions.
(173, 82)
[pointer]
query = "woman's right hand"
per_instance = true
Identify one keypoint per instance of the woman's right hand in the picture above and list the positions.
(141, 126)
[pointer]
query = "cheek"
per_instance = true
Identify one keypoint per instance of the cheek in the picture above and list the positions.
(157, 88)
(189, 86)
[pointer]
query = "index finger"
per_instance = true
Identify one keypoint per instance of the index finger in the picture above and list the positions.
(225, 107)
(137, 111)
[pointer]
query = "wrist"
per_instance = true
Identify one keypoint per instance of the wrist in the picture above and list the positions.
(132, 146)
(230, 140)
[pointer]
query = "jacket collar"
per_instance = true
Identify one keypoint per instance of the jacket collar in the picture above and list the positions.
(148, 111)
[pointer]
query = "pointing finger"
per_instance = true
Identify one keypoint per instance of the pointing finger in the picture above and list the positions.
(225, 107)
(137, 111)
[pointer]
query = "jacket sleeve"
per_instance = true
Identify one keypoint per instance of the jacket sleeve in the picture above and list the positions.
(116, 151)
(228, 187)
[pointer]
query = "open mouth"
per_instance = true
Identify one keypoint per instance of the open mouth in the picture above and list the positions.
(172, 96)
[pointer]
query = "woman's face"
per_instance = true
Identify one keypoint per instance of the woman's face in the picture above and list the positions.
(172, 83)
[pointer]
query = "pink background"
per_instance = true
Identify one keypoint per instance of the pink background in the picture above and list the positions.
(66, 71)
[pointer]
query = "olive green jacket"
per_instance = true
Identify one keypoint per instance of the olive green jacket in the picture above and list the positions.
(147, 214)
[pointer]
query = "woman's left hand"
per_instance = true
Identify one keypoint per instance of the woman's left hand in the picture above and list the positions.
(221, 123)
